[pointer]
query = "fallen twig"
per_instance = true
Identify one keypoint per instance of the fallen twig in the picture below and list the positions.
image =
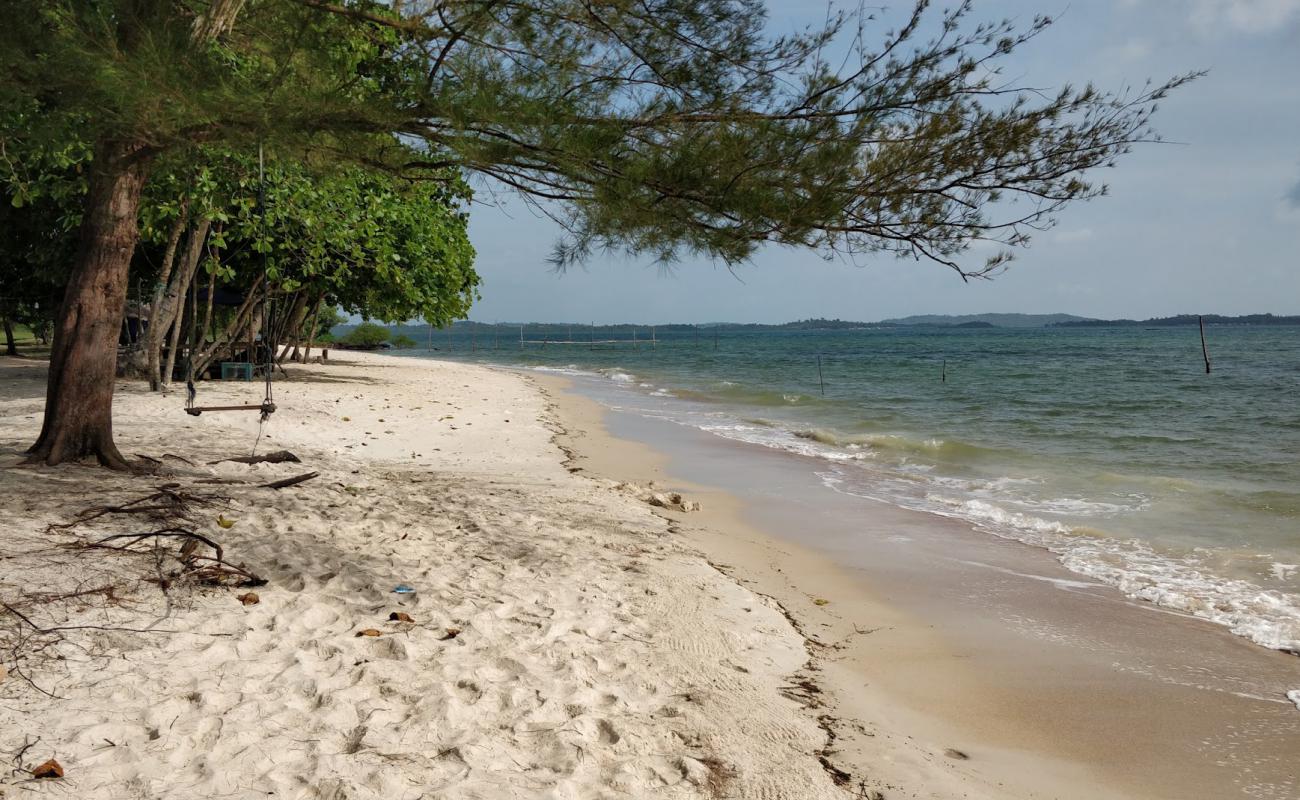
(278, 457)
(287, 482)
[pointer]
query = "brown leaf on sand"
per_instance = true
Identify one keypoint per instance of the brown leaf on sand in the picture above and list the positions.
(952, 752)
(50, 769)
(400, 616)
(249, 598)
(451, 633)
(369, 632)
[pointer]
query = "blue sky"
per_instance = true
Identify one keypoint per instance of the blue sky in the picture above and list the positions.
(1208, 225)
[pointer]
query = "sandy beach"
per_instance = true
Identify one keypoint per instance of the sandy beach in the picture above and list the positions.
(563, 637)
(562, 641)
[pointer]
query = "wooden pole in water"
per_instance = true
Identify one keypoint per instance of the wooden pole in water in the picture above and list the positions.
(715, 337)
(430, 335)
(820, 379)
(450, 346)
(654, 339)
(521, 337)
(943, 372)
(1205, 353)
(473, 338)
(592, 346)
(635, 346)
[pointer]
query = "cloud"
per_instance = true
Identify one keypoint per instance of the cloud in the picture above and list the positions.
(1248, 16)
(1293, 196)
(1071, 237)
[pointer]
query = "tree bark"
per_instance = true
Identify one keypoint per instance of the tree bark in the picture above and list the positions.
(11, 347)
(174, 304)
(315, 325)
(292, 322)
(158, 326)
(83, 359)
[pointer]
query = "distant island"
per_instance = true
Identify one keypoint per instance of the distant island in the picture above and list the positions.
(989, 320)
(1181, 319)
(560, 331)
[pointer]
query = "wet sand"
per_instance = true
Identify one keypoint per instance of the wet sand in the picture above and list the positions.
(961, 643)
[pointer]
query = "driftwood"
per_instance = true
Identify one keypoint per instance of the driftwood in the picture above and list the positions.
(170, 500)
(278, 457)
(217, 571)
(287, 482)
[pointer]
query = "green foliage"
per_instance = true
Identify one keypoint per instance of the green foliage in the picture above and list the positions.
(367, 334)
(326, 319)
(404, 342)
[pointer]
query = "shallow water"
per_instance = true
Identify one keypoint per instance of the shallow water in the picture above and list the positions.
(1110, 447)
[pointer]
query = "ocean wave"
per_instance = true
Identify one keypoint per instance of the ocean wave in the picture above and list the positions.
(1267, 617)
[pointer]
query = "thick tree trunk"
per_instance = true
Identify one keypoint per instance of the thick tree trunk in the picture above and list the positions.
(11, 347)
(83, 359)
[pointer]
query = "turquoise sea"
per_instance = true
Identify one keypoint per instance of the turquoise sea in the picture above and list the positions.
(1110, 447)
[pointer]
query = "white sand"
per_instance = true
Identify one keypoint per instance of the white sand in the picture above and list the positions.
(597, 656)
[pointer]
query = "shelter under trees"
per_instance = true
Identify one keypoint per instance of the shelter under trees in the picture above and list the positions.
(658, 128)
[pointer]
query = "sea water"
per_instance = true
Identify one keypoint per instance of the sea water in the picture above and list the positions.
(1110, 447)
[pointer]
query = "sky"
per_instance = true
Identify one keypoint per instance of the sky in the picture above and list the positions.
(1209, 223)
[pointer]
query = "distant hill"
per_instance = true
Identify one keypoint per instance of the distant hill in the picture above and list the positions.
(1181, 319)
(994, 320)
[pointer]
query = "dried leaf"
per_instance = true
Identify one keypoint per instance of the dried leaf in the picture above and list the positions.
(400, 616)
(50, 769)
(369, 632)
(225, 523)
(821, 601)
(249, 598)
(451, 633)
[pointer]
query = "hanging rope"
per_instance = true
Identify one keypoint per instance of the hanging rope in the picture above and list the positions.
(268, 309)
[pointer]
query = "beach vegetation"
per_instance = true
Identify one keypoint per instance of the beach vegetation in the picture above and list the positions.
(365, 335)
(655, 129)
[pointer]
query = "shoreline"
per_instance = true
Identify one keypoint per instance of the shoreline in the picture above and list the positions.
(1009, 718)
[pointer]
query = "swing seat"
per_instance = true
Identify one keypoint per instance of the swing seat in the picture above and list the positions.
(267, 408)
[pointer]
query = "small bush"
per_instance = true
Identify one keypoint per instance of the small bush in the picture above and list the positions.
(403, 341)
(367, 334)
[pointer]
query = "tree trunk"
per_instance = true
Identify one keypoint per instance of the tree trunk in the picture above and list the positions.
(315, 325)
(83, 359)
(292, 323)
(11, 348)
(174, 304)
(158, 324)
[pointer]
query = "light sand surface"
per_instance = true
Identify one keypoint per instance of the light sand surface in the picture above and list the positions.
(565, 643)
